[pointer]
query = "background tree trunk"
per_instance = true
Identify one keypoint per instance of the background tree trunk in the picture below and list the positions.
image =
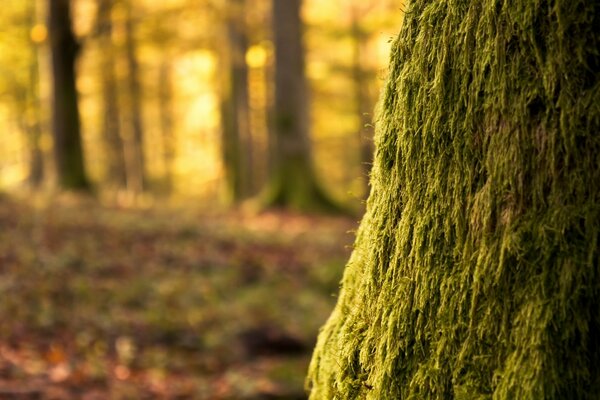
(68, 150)
(31, 112)
(134, 143)
(476, 269)
(34, 126)
(236, 141)
(28, 108)
(292, 183)
(115, 156)
(362, 94)
(165, 100)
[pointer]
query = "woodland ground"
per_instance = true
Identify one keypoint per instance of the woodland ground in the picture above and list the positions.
(101, 302)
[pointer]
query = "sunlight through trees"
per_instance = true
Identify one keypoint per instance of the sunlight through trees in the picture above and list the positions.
(179, 98)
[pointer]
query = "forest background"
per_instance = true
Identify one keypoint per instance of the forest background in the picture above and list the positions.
(172, 272)
(156, 72)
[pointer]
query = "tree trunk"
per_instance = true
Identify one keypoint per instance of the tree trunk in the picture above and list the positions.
(32, 112)
(165, 100)
(134, 137)
(236, 140)
(68, 150)
(28, 108)
(34, 127)
(115, 157)
(476, 269)
(292, 182)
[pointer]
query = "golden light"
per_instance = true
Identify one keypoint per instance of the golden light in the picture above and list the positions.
(256, 56)
(46, 142)
(317, 70)
(384, 45)
(39, 33)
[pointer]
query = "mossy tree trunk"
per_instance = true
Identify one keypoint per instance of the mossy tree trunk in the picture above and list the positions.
(476, 269)
(292, 182)
(68, 151)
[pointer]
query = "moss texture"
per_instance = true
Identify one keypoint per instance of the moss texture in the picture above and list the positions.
(475, 273)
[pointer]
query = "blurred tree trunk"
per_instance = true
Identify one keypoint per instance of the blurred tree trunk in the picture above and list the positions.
(134, 136)
(236, 140)
(29, 110)
(31, 115)
(165, 99)
(34, 126)
(292, 182)
(362, 94)
(476, 269)
(115, 156)
(68, 151)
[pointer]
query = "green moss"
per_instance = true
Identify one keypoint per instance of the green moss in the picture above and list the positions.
(475, 273)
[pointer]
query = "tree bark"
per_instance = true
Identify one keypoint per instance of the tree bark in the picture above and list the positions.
(292, 183)
(68, 149)
(476, 269)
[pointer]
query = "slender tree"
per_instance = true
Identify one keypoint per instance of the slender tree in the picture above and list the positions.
(113, 143)
(476, 269)
(34, 127)
(236, 139)
(167, 125)
(68, 151)
(27, 97)
(134, 135)
(293, 182)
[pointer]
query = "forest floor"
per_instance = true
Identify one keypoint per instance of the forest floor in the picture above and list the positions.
(101, 302)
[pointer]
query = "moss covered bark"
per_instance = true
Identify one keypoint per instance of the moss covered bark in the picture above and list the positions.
(475, 273)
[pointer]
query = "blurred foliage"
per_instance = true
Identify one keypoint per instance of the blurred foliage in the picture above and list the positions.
(183, 37)
(121, 304)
